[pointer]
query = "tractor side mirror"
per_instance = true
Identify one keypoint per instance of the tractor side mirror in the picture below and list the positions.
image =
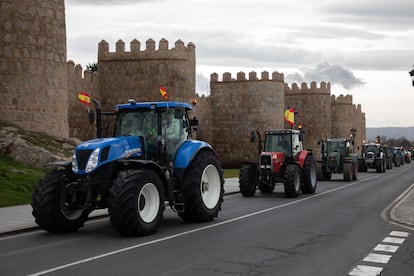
(252, 136)
(301, 137)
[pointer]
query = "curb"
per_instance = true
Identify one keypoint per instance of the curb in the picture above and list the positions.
(391, 210)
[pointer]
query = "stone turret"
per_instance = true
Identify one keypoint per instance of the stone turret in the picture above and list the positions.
(33, 65)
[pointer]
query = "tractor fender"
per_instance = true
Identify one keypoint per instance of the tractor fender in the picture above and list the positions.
(188, 151)
(301, 157)
(136, 164)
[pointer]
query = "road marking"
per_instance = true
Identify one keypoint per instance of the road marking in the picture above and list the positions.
(377, 258)
(393, 240)
(386, 248)
(199, 229)
(365, 270)
(399, 234)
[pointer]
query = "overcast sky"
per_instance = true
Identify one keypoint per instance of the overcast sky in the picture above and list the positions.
(364, 48)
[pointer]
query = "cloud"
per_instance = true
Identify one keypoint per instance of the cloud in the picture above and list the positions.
(335, 74)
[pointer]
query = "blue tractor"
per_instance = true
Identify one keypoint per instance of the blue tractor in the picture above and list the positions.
(150, 160)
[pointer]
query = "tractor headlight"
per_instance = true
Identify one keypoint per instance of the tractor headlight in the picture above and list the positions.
(74, 163)
(93, 161)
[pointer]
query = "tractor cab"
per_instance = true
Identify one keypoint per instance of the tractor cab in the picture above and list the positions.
(162, 128)
(287, 141)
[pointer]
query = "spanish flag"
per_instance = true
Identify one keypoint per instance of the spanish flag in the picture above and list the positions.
(163, 91)
(290, 116)
(84, 98)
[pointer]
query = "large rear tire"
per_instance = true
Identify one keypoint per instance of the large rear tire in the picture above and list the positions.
(348, 171)
(136, 204)
(202, 188)
(310, 178)
(51, 209)
(248, 179)
(292, 180)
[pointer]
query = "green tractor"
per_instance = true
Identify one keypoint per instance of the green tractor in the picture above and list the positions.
(337, 157)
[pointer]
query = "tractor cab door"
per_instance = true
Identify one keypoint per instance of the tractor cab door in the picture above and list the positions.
(175, 131)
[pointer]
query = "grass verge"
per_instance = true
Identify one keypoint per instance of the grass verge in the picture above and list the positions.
(17, 182)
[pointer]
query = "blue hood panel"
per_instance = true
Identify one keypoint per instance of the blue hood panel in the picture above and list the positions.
(111, 149)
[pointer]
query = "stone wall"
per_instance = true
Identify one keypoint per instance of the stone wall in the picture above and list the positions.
(240, 106)
(33, 79)
(137, 74)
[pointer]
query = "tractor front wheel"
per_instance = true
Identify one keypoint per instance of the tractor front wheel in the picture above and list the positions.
(136, 204)
(202, 188)
(292, 180)
(310, 178)
(57, 203)
(248, 179)
(348, 171)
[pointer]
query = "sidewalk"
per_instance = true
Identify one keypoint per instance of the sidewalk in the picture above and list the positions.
(16, 219)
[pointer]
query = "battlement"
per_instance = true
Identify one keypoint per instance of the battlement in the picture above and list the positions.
(341, 99)
(241, 76)
(324, 88)
(180, 51)
(77, 71)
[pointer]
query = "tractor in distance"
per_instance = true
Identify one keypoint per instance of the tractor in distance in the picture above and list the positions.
(373, 157)
(337, 157)
(388, 157)
(149, 160)
(282, 160)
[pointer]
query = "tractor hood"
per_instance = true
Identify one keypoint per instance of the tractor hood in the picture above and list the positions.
(92, 154)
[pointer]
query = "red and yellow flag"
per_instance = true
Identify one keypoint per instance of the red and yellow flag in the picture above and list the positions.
(84, 98)
(290, 116)
(163, 91)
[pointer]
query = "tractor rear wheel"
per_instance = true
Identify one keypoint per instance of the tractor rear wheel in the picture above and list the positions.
(202, 188)
(292, 180)
(55, 203)
(136, 204)
(348, 171)
(248, 179)
(310, 178)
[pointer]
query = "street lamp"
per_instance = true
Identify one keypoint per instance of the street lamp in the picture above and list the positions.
(412, 76)
(353, 131)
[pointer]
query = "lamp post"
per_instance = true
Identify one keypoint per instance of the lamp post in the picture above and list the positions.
(353, 131)
(412, 76)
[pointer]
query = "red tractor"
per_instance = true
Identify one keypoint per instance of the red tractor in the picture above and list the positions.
(282, 160)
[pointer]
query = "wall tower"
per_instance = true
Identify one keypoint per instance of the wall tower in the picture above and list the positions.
(33, 78)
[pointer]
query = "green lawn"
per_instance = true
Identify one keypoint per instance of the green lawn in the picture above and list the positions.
(229, 173)
(17, 182)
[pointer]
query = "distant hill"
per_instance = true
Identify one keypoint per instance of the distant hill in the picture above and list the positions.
(390, 132)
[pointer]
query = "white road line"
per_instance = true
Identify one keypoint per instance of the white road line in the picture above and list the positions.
(399, 234)
(365, 270)
(377, 258)
(198, 229)
(386, 248)
(393, 240)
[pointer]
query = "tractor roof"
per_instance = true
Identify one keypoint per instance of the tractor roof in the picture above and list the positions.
(151, 105)
(282, 131)
(336, 140)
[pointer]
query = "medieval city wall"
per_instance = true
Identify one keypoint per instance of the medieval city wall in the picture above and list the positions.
(81, 81)
(137, 74)
(33, 76)
(240, 106)
(314, 112)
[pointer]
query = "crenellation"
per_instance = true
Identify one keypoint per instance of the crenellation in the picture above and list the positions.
(150, 52)
(341, 99)
(120, 47)
(241, 76)
(323, 89)
(253, 76)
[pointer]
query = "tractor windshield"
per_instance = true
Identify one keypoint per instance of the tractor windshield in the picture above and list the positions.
(372, 148)
(279, 143)
(337, 146)
(166, 128)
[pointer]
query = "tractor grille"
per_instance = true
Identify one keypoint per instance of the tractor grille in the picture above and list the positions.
(265, 160)
(82, 157)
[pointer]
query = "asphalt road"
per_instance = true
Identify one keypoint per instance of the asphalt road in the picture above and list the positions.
(328, 233)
